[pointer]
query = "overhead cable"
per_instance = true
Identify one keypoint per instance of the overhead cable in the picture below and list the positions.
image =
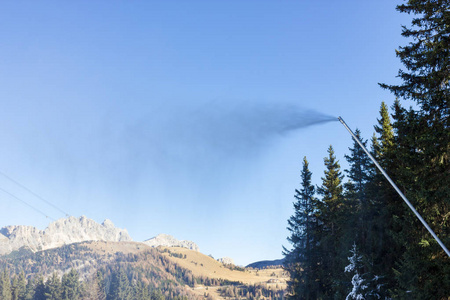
(34, 194)
(27, 204)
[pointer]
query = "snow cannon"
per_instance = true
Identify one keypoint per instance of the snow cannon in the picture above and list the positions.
(396, 188)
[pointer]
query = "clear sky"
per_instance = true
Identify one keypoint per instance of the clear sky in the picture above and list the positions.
(173, 116)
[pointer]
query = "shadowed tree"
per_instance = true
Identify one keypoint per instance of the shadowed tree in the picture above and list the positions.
(422, 150)
(120, 286)
(70, 285)
(301, 261)
(5, 285)
(332, 221)
(53, 288)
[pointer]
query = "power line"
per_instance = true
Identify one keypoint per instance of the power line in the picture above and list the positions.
(34, 194)
(27, 204)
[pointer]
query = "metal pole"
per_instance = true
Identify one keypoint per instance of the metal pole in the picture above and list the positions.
(396, 188)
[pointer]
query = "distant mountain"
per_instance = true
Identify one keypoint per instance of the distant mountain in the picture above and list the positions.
(61, 232)
(169, 241)
(266, 263)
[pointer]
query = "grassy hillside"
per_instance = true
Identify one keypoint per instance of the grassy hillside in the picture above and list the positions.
(172, 271)
(203, 265)
(240, 279)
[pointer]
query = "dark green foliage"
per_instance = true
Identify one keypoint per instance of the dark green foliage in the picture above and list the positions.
(333, 214)
(98, 290)
(53, 288)
(426, 58)
(360, 215)
(423, 267)
(29, 291)
(19, 288)
(422, 146)
(39, 289)
(71, 286)
(5, 285)
(301, 261)
(386, 202)
(120, 286)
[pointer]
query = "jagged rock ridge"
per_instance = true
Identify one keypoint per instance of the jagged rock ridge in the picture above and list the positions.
(58, 233)
(226, 260)
(169, 241)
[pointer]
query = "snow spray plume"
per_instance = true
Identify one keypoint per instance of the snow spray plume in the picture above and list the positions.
(249, 125)
(195, 141)
(228, 130)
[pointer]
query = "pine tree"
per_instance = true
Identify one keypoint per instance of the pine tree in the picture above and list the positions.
(15, 288)
(422, 149)
(21, 289)
(99, 287)
(364, 217)
(386, 136)
(70, 285)
(120, 286)
(53, 288)
(333, 212)
(141, 291)
(39, 289)
(5, 286)
(426, 58)
(29, 290)
(301, 261)
(364, 285)
(356, 190)
(387, 205)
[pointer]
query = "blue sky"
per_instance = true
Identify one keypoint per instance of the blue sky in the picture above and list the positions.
(167, 117)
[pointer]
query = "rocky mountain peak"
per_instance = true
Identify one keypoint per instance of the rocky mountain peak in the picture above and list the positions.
(169, 241)
(108, 223)
(61, 232)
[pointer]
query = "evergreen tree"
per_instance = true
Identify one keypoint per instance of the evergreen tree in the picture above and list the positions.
(386, 136)
(5, 286)
(332, 216)
(356, 194)
(29, 290)
(99, 290)
(386, 202)
(157, 295)
(15, 288)
(301, 261)
(120, 286)
(364, 285)
(21, 288)
(53, 288)
(141, 291)
(70, 285)
(427, 59)
(422, 150)
(39, 289)
(366, 220)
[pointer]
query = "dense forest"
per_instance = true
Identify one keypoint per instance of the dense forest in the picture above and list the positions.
(355, 238)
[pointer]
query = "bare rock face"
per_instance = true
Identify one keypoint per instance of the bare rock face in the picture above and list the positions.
(226, 261)
(169, 241)
(59, 233)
